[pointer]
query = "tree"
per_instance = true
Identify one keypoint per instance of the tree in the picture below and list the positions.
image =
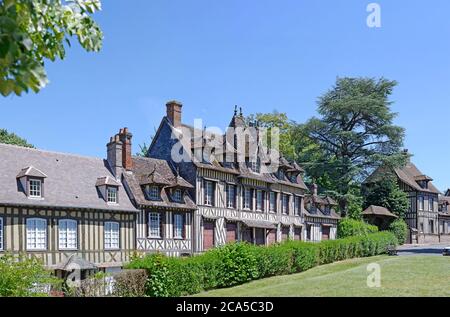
(356, 131)
(11, 138)
(35, 30)
(387, 193)
(143, 150)
(24, 277)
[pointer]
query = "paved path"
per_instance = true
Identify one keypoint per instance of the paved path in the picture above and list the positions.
(422, 249)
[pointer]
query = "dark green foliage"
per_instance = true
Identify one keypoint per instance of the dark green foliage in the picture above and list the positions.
(400, 229)
(356, 131)
(239, 263)
(349, 227)
(11, 138)
(386, 193)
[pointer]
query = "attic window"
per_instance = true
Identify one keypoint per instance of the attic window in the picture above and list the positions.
(111, 194)
(281, 174)
(178, 195)
(35, 188)
(254, 166)
(153, 192)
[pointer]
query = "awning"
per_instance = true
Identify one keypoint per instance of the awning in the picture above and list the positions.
(259, 224)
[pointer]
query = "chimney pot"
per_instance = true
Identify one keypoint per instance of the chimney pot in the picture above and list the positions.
(125, 138)
(174, 112)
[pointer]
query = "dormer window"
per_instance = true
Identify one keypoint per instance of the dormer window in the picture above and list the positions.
(281, 174)
(254, 165)
(178, 195)
(35, 188)
(153, 192)
(111, 194)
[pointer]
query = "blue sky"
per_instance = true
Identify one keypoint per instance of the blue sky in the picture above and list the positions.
(260, 54)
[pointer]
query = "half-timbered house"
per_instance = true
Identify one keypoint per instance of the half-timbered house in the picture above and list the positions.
(58, 206)
(236, 201)
(422, 215)
(321, 219)
(444, 217)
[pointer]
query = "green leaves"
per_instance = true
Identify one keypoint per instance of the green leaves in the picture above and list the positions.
(11, 138)
(34, 30)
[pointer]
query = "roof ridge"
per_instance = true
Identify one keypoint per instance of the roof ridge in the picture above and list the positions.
(50, 152)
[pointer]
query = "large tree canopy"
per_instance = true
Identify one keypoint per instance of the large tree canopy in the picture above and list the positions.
(11, 138)
(356, 131)
(34, 30)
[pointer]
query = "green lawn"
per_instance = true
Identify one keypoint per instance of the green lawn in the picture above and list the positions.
(400, 276)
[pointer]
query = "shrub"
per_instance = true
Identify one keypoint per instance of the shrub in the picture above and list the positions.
(22, 276)
(239, 263)
(400, 229)
(350, 227)
(130, 283)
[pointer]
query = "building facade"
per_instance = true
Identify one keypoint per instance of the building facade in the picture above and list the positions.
(444, 217)
(54, 206)
(422, 216)
(236, 201)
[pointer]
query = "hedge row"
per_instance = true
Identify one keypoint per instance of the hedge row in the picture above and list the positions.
(349, 228)
(239, 263)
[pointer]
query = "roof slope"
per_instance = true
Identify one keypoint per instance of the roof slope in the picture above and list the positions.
(378, 211)
(142, 171)
(70, 179)
(409, 174)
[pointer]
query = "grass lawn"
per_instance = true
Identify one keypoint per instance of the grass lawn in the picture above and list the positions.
(400, 276)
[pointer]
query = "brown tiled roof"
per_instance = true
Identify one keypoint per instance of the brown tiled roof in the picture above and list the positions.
(167, 178)
(378, 211)
(409, 174)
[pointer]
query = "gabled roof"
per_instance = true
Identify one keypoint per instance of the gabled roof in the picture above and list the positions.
(70, 180)
(142, 166)
(409, 174)
(31, 171)
(378, 211)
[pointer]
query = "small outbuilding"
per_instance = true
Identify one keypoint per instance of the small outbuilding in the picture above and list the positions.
(378, 216)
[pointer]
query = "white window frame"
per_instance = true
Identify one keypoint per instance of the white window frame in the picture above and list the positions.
(430, 203)
(154, 193)
(285, 204)
(151, 219)
(247, 203)
(1, 234)
(111, 235)
(178, 226)
(273, 204)
(178, 195)
(231, 196)
(35, 190)
(67, 237)
(112, 194)
(259, 200)
(36, 233)
(297, 204)
(421, 202)
(209, 193)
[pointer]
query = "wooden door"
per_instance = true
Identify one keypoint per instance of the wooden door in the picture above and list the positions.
(260, 236)
(297, 233)
(208, 235)
(325, 233)
(284, 233)
(231, 232)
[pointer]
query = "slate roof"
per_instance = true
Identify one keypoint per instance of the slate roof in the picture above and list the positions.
(322, 201)
(409, 174)
(378, 211)
(70, 179)
(167, 178)
(241, 170)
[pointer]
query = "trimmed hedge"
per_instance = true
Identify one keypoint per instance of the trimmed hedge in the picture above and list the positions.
(238, 263)
(400, 229)
(349, 228)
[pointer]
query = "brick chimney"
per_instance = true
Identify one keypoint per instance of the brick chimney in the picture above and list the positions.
(125, 137)
(174, 112)
(114, 154)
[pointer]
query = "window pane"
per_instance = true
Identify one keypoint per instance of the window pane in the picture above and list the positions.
(178, 226)
(112, 194)
(68, 234)
(155, 225)
(111, 237)
(36, 234)
(35, 188)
